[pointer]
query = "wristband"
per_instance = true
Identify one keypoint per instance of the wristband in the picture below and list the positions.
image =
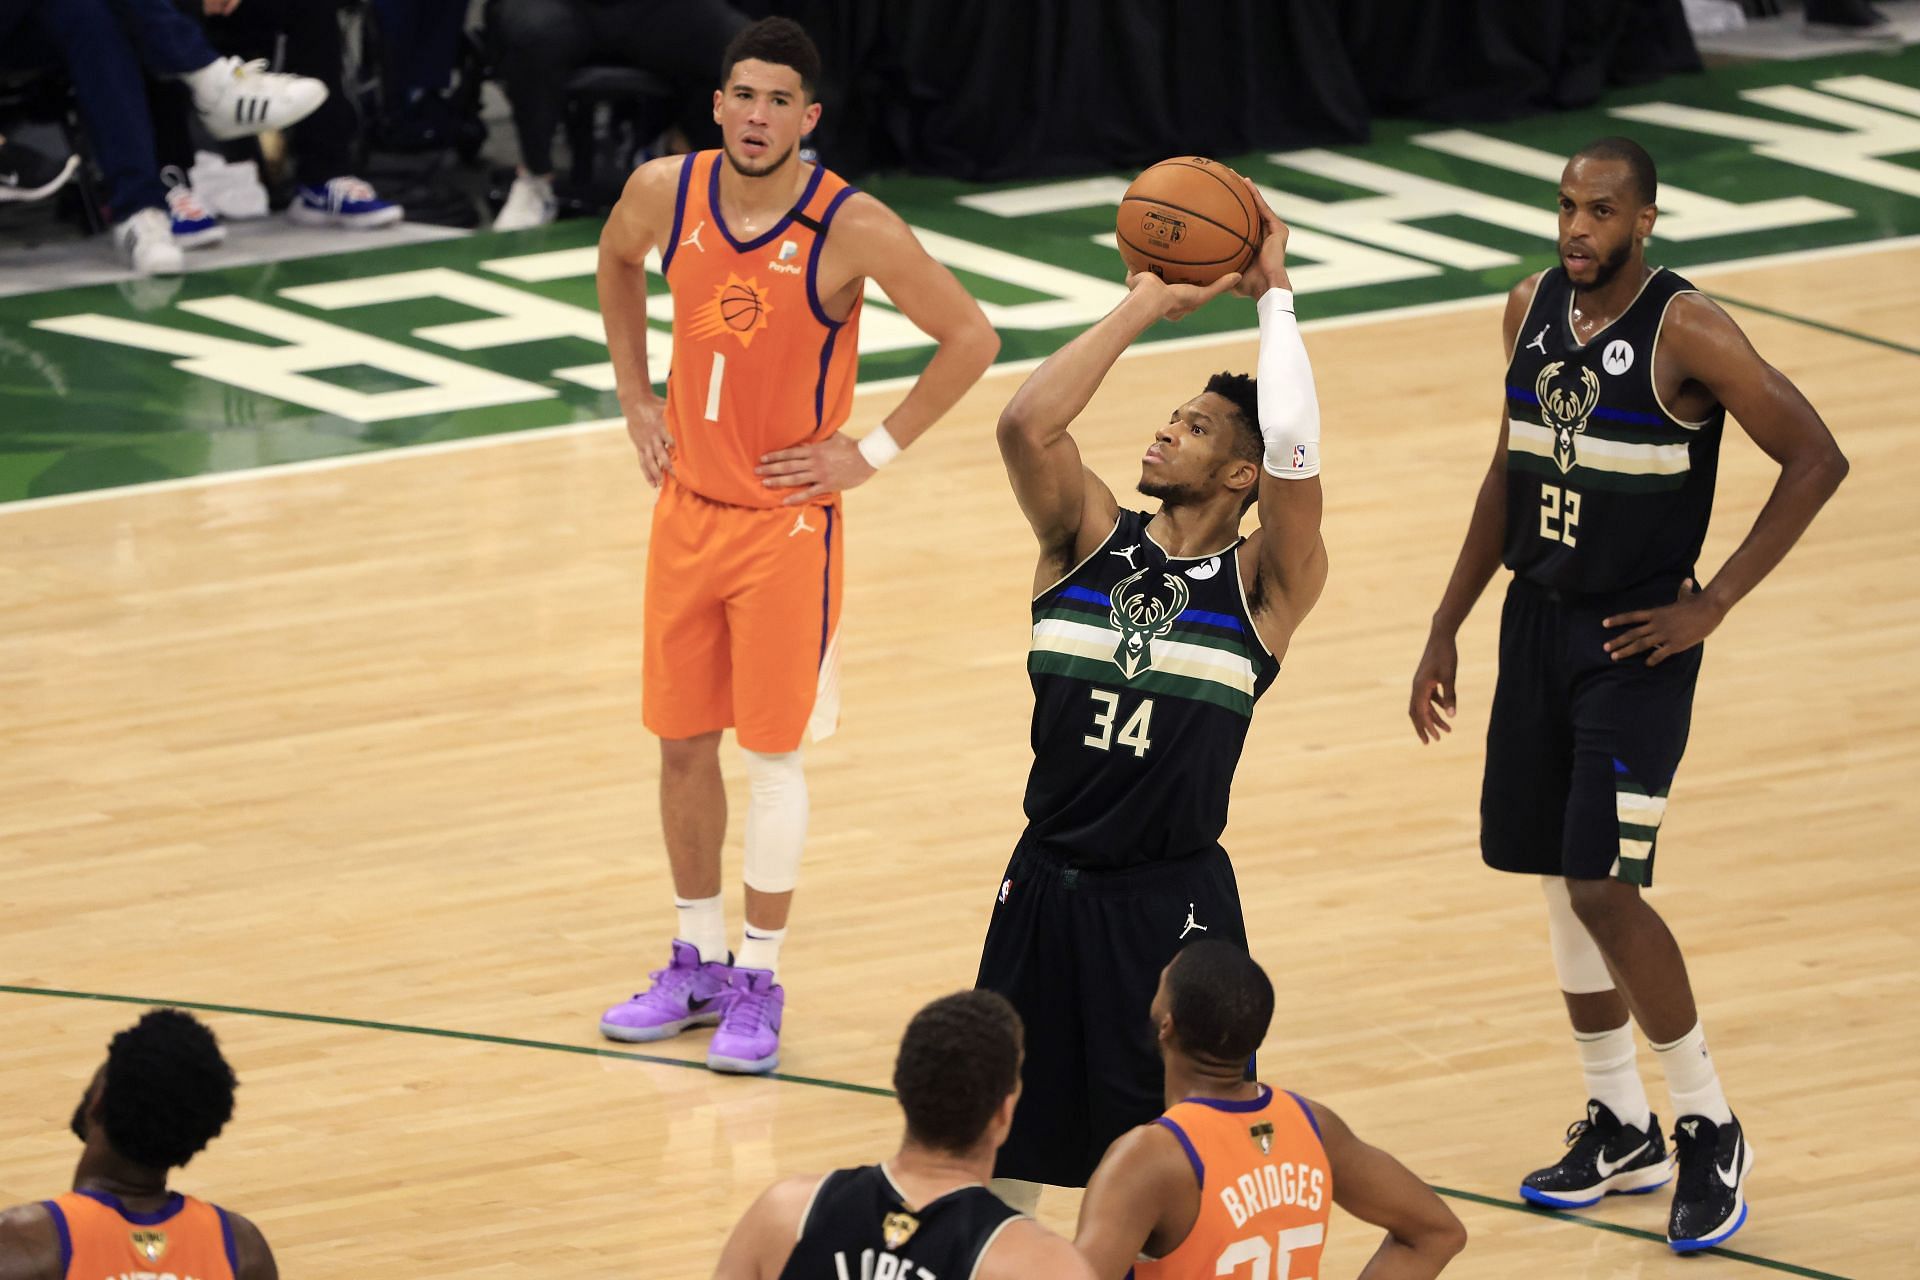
(879, 447)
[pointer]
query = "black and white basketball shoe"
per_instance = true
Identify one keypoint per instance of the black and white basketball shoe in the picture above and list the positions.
(1710, 1203)
(1604, 1158)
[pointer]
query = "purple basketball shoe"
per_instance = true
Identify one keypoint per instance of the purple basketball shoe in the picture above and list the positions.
(748, 1040)
(687, 993)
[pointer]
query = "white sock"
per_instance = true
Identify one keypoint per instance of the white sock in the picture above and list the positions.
(1606, 1058)
(1692, 1082)
(704, 924)
(1017, 1194)
(760, 949)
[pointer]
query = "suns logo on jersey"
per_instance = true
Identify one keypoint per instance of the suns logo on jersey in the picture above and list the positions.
(151, 1245)
(739, 307)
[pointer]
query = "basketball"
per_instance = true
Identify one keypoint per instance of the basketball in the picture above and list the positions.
(1189, 220)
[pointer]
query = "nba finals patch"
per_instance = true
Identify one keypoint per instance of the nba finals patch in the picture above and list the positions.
(898, 1228)
(151, 1245)
(1262, 1135)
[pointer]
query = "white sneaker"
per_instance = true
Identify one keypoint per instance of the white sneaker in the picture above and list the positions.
(194, 227)
(530, 203)
(145, 240)
(231, 190)
(236, 99)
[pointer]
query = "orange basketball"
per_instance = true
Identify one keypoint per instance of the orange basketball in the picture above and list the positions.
(1189, 220)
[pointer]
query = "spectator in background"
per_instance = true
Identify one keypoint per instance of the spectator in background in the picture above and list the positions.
(323, 145)
(87, 38)
(540, 43)
(420, 42)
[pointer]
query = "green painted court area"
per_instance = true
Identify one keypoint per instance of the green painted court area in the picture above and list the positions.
(317, 358)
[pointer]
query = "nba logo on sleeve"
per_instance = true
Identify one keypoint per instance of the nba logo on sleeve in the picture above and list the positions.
(1006, 887)
(1299, 457)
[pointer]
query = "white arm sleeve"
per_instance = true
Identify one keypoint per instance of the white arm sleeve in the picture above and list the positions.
(1289, 410)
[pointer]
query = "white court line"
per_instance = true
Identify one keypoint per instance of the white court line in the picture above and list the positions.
(401, 453)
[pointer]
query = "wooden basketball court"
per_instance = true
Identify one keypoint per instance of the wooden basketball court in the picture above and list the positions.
(362, 744)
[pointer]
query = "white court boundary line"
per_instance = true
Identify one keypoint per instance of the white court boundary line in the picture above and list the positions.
(401, 453)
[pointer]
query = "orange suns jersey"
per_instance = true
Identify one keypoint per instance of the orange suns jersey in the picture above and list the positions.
(758, 364)
(1266, 1191)
(102, 1239)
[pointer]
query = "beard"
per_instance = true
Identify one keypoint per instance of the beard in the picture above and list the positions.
(1605, 269)
(79, 1122)
(761, 170)
(1170, 492)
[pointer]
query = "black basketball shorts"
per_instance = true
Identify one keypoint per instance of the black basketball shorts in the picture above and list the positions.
(1581, 750)
(1079, 953)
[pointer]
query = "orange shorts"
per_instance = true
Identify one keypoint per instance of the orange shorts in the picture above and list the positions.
(742, 618)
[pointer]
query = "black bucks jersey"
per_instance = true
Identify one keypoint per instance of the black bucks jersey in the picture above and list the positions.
(858, 1227)
(1145, 671)
(1606, 490)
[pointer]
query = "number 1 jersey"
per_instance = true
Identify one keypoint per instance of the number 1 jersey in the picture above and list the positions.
(758, 364)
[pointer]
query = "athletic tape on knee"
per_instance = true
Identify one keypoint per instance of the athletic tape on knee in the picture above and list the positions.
(776, 820)
(1576, 958)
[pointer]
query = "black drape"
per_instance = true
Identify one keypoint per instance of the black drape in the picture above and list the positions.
(994, 89)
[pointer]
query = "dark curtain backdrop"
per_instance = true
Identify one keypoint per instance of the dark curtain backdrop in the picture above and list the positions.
(995, 89)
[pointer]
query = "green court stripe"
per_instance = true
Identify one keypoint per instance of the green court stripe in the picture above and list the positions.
(1637, 1233)
(593, 1052)
(1811, 323)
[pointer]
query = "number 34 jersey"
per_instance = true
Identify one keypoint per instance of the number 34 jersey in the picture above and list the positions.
(1606, 490)
(1145, 670)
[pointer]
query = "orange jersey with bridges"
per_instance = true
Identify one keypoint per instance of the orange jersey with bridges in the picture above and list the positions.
(758, 365)
(102, 1239)
(1266, 1190)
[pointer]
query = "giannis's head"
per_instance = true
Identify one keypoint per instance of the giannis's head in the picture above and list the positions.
(163, 1093)
(958, 1072)
(1210, 445)
(1214, 1005)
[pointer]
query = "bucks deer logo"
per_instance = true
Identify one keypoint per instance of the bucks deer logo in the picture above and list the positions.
(1141, 618)
(1565, 412)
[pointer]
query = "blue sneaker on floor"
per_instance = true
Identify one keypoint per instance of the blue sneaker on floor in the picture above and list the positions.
(194, 226)
(343, 202)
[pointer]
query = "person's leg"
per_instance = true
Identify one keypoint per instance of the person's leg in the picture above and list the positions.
(539, 43)
(1631, 723)
(324, 143)
(783, 620)
(113, 100)
(1029, 957)
(169, 42)
(686, 702)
